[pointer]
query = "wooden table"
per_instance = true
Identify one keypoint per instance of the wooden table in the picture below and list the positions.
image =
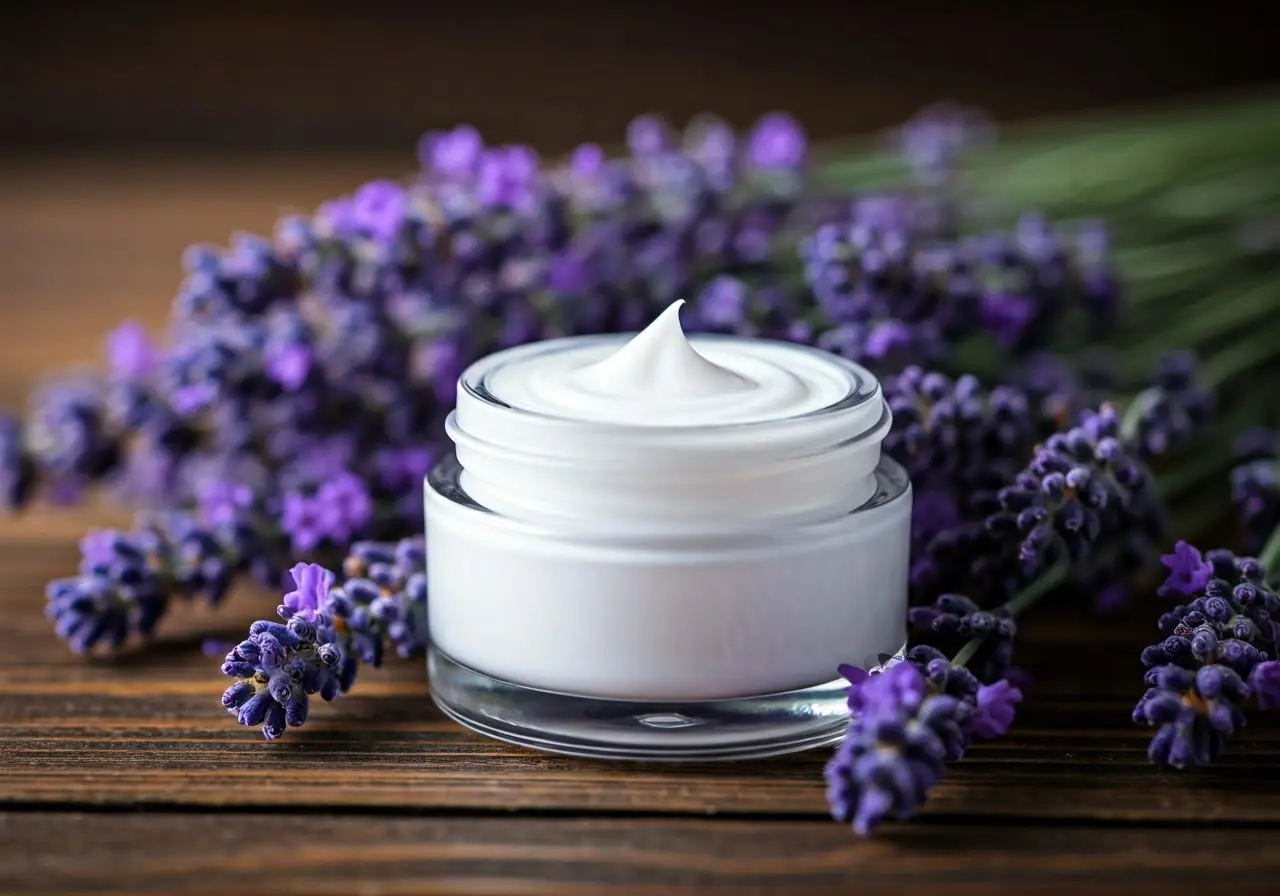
(126, 776)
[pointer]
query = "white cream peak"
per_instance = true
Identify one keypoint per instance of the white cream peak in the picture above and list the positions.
(659, 361)
(660, 378)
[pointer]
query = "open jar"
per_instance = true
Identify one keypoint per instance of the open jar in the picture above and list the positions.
(661, 548)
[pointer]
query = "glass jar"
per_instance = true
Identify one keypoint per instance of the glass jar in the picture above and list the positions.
(663, 592)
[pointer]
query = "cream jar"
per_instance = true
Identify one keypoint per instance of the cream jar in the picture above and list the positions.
(657, 547)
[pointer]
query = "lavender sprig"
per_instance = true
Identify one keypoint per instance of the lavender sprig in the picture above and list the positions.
(1081, 495)
(17, 467)
(328, 632)
(908, 721)
(1217, 653)
(1163, 416)
(126, 580)
(1255, 485)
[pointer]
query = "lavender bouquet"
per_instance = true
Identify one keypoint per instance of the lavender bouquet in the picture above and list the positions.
(1072, 324)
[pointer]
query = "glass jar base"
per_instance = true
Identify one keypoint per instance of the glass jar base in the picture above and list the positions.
(600, 728)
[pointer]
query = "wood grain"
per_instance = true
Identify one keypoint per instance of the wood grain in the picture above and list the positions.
(380, 794)
(317, 854)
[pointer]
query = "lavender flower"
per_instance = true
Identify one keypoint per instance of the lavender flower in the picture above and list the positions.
(329, 631)
(130, 352)
(895, 750)
(1214, 646)
(906, 723)
(127, 580)
(66, 432)
(1194, 713)
(953, 426)
(1264, 681)
(1188, 571)
(953, 620)
(995, 709)
(1060, 392)
(1165, 415)
(777, 143)
(934, 140)
(17, 469)
(278, 668)
(119, 591)
(1081, 486)
(1255, 486)
(385, 596)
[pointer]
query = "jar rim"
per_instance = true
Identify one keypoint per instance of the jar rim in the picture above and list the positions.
(892, 485)
(472, 387)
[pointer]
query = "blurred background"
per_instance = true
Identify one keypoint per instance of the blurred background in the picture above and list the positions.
(129, 131)
(86, 77)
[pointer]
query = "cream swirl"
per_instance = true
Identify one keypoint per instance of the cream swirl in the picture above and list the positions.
(659, 378)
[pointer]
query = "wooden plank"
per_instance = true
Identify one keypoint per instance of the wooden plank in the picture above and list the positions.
(317, 854)
(146, 728)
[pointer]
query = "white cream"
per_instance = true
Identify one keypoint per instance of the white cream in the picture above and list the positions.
(667, 519)
(659, 379)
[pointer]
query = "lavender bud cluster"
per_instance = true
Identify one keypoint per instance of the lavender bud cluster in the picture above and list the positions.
(1218, 651)
(958, 442)
(891, 289)
(1081, 486)
(328, 631)
(908, 721)
(1165, 414)
(1255, 486)
(126, 580)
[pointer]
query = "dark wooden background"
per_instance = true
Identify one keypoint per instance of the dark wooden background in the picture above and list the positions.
(319, 76)
(127, 132)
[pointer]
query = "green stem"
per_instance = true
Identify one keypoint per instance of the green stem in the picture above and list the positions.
(1240, 359)
(1269, 556)
(1259, 301)
(1020, 602)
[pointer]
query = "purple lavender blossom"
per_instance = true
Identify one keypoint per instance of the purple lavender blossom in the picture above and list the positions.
(17, 469)
(1188, 571)
(776, 143)
(949, 425)
(1080, 485)
(345, 506)
(1194, 713)
(224, 502)
(66, 431)
(130, 353)
(1098, 281)
(895, 749)
(648, 135)
(328, 632)
(856, 677)
(1007, 317)
(312, 584)
(508, 178)
(1165, 415)
(723, 304)
(953, 620)
(995, 709)
(713, 145)
(385, 598)
(1264, 681)
(453, 155)
(1215, 647)
(934, 140)
(120, 591)
(1255, 486)
(277, 670)
(1060, 392)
